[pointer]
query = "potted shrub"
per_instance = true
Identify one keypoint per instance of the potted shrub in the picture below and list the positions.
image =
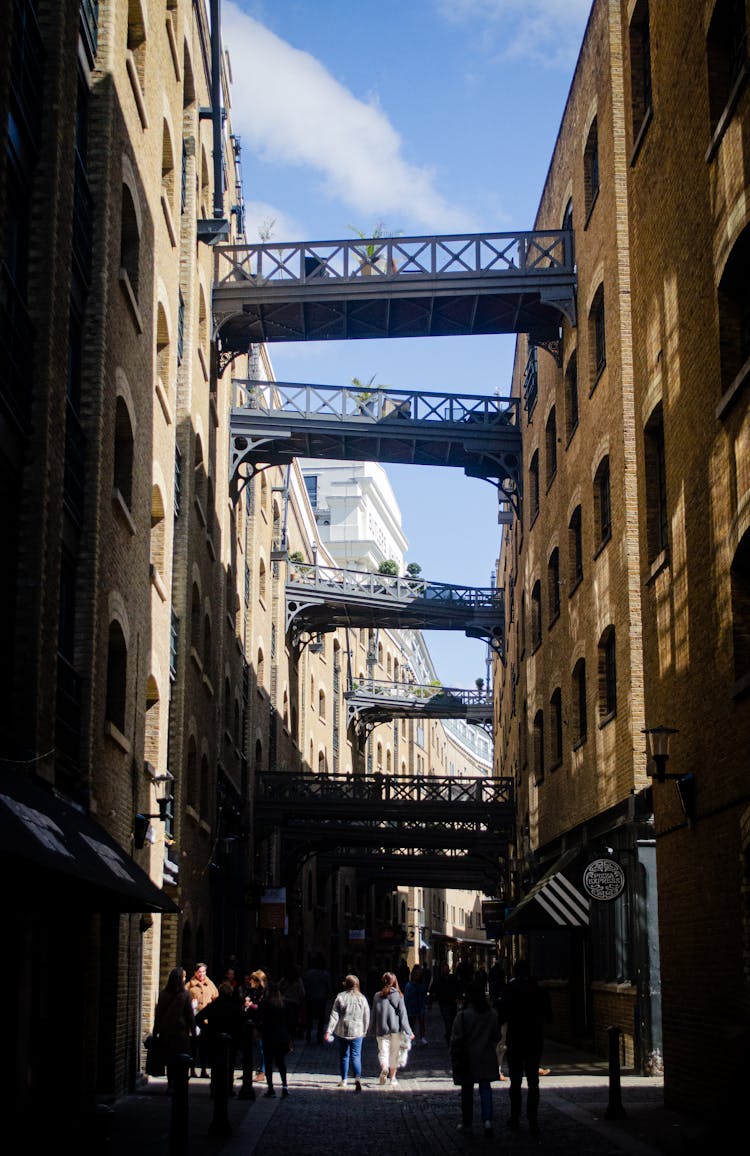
(366, 397)
(374, 259)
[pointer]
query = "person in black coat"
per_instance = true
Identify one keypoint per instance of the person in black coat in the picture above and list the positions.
(275, 1035)
(525, 1007)
(445, 992)
(222, 1017)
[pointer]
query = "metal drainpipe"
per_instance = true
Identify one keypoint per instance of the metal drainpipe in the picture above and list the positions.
(216, 111)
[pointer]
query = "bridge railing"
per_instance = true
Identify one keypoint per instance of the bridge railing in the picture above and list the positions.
(346, 403)
(329, 579)
(417, 692)
(397, 259)
(279, 786)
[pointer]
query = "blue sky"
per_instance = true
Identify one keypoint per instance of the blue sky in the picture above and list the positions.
(431, 116)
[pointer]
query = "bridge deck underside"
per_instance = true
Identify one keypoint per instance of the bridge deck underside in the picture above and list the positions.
(377, 710)
(475, 872)
(321, 612)
(344, 312)
(275, 437)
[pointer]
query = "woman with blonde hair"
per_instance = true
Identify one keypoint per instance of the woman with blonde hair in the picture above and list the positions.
(387, 1023)
(349, 1020)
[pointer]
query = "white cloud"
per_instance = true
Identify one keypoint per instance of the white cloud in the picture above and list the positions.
(290, 109)
(266, 222)
(547, 32)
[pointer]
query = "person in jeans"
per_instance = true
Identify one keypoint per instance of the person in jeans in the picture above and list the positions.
(387, 1023)
(349, 1020)
(474, 1038)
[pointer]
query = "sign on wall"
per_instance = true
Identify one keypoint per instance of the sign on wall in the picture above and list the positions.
(604, 879)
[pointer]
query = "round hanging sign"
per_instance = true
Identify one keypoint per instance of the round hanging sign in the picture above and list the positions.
(604, 879)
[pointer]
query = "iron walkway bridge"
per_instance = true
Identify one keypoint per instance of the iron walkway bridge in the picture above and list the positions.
(368, 804)
(372, 701)
(322, 598)
(520, 282)
(273, 422)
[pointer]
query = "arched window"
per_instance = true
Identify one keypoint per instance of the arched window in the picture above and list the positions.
(380, 654)
(597, 337)
(726, 46)
(607, 675)
(553, 584)
(195, 619)
(388, 763)
(261, 670)
(591, 168)
(602, 503)
(117, 672)
(258, 755)
(322, 704)
(640, 69)
(536, 615)
(322, 763)
(130, 241)
(657, 528)
(578, 703)
(262, 589)
(123, 456)
(571, 397)
(575, 549)
(533, 487)
(207, 643)
(734, 314)
(379, 759)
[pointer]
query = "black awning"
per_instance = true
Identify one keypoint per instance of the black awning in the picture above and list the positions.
(556, 901)
(50, 849)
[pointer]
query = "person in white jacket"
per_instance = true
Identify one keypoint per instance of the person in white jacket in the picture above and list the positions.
(389, 1024)
(349, 1020)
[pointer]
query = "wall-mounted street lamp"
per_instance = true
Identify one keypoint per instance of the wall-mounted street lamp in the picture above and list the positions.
(658, 749)
(162, 785)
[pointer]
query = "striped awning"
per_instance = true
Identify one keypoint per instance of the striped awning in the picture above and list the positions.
(555, 901)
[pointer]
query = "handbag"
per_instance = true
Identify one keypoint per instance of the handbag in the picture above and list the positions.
(155, 1058)
(403, 1050)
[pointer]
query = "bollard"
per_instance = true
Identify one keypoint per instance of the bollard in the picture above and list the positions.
(615, 1110)
(247, 1091)
(178, 1124)
(220, 1083)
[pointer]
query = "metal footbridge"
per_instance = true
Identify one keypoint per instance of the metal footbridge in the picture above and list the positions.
(273, 422)
(372, 701)
(453, 285)
(446, 827)
(321, 598)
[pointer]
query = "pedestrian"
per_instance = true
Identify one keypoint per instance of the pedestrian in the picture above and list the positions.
(222, 1018)
(498, 984)
(275, 1037)
(402, 974)
(525, 1007)
(317, 984)
(293, 991)
(415, 998)
(445, 992)
(174, 1021)
(255, 991)
(474, 1038)
(202, 991)
(349, 1020)
(389, 1023)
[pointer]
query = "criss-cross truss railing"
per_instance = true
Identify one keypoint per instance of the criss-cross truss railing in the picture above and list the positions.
(512, 255)
(418, 692)
(334, 579)
(343, 403)
(282, 786)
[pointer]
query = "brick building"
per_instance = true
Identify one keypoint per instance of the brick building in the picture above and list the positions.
(626, 576)
(143, 637)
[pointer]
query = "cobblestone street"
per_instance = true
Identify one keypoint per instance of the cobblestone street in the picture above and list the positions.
(418, 1116)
